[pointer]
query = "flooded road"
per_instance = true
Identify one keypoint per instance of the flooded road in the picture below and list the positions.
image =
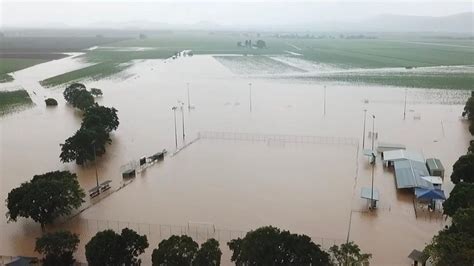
(235, 185)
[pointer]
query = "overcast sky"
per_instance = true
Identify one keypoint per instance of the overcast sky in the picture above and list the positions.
(83, 13)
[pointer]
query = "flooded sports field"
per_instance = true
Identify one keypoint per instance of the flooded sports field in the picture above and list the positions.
(261, 146)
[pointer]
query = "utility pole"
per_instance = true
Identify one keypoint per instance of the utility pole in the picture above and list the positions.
(189, 100)
(405, 108)
(373, 162)
(363, 134)
(250, 96)
(175, 130)
(95, 164)
(324, 100)
(182, 119)
(373, 131)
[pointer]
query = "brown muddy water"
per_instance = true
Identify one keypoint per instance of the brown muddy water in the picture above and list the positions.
(225, 187)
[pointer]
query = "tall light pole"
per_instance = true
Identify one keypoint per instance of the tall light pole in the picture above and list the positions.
(363, 134)
(175, 130)
(95, 164)
(250, 96)
(405, 108)
(373, 162)
(324, 100)
(373, 131)
(182, 118)
(189, 100)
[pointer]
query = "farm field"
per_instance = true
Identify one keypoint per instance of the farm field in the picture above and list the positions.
(94, 72)
(11, 101)
(18, 53)
(390, 53)
(380, 53)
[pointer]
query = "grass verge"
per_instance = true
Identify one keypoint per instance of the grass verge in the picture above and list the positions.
(95, 72)
(11, 101)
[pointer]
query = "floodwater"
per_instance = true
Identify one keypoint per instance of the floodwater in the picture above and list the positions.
(224, 188)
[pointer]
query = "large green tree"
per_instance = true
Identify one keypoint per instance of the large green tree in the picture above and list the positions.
(57, 248)
(469, 109)
(84, 145)
(109, 248)
(176, 250)
(135, 245)
(270, 246)
(69, 92)
(469, 112)
(348, 254)
(463, 169)
(77, 95)
(454, 245)
(209, 254)
(462, 196)
(100, 117)
(82, 100)
(45, 198)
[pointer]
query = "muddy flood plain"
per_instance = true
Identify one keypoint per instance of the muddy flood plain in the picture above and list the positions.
(225, 187)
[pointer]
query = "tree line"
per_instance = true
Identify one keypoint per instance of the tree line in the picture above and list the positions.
(55, 194)
(97, 124)
(454, 245)
(264, 246)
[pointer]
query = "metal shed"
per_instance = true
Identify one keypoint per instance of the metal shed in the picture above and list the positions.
(435, 167)
(408, 174)
(397, 155)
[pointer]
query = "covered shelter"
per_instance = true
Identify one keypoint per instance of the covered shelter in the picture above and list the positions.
(429, 194)
(418, 257)
(366, 193)
(384, 146)
(435, 167)
(408, 174)
(435, 180)
(398, 155)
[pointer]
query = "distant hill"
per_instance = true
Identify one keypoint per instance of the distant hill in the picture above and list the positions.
(459, 23)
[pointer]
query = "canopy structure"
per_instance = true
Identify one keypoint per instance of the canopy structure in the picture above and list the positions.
(397, 155)
(366, 193)
(429, 194)
(408, 174)
(435, 180)
(369, 152)
(383, 147)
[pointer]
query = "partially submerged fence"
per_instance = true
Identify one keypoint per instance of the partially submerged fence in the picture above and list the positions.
(277, 138)
(200, 232)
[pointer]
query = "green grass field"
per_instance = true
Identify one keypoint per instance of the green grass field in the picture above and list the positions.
(459, 81)
(17, 53)
(8, 65)
(385, 52)
(11, 101)
(95, 72)
(5, 78)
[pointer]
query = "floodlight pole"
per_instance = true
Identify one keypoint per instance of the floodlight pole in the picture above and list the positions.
(189, 100)
(250, 96)
(95, 164)
(405, 108)
(175, 129)
(373, 162)
(324, 100)
(373, 131)
(363, 134)
(182, 119)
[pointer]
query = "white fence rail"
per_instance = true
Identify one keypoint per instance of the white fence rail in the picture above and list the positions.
(157, 232)
(277, 138)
